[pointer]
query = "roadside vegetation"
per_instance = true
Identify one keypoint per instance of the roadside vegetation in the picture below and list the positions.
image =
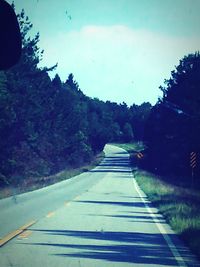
(33, 183)
(177, 199)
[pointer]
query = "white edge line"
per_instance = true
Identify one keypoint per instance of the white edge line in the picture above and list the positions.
(162, 230)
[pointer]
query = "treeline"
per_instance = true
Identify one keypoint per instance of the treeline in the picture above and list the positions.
(47, 125)
(173, 128)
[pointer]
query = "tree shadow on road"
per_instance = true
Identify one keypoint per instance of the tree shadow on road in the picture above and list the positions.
(138, 204)
(135, 218)
(115, 165)
(126, 247)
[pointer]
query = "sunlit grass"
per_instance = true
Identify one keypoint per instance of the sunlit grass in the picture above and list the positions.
(131, 147)
(179, 206)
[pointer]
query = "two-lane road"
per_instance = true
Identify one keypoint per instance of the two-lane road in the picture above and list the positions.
(98, 219)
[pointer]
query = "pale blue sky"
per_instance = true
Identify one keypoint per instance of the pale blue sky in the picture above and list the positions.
(118, 50)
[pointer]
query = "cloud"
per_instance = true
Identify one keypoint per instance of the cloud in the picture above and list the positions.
(116, 62)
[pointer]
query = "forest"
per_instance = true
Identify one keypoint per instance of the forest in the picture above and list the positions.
(47, 125)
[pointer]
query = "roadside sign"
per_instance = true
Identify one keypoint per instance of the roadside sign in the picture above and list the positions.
(193, 164)
(193, 160)
(140, 155)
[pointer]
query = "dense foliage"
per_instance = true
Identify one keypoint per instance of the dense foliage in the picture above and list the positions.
(173, 127)
(47, 125)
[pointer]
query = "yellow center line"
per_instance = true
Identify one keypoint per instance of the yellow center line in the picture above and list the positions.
(13, 234)
(25, 234)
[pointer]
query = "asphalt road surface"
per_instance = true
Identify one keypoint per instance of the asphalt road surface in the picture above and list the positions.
(97, 219)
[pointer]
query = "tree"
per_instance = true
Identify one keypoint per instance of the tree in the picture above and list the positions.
(173, 130)
(30, 102)
(182, 89)
(139, 116)
(128, 133)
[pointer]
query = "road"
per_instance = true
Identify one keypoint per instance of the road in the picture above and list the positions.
(98, 219)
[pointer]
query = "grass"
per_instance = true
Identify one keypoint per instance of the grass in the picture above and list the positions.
(33, 183)
(131, 147)
(179, 204)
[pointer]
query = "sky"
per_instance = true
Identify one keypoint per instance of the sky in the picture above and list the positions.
(118, 50)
